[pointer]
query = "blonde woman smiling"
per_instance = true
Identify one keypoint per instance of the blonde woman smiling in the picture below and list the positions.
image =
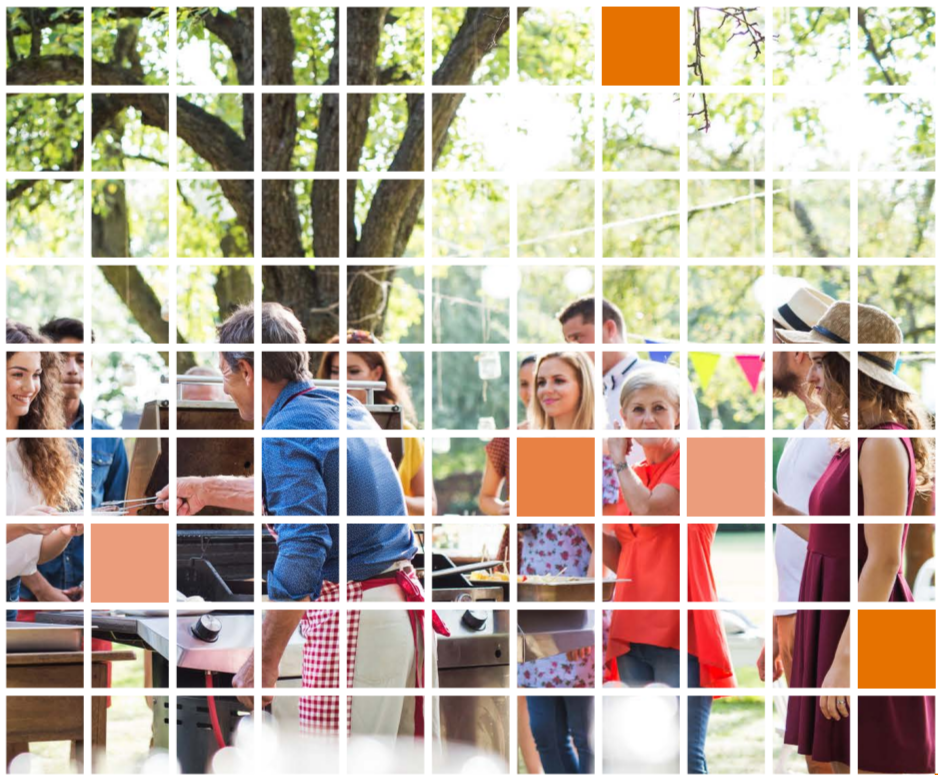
(650, 401)
(564, 398)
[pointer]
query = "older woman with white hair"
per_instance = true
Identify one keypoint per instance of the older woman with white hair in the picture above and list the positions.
(650, 400)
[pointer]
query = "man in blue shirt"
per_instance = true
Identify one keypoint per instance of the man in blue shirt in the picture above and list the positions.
(307, 555)
(300, 475)
(60, 579)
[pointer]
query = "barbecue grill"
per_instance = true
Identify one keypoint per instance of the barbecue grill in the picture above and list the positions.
(224, 415)
(216, 562)
(548, 633)
(474, 656)
(451, 582)
(565, 590)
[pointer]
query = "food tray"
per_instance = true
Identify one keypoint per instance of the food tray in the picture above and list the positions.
(570, 590)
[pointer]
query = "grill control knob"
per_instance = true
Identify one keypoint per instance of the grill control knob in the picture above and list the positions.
(475, 620)
(206, 628)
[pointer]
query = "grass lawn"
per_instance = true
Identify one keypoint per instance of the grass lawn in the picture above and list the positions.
(736, 736)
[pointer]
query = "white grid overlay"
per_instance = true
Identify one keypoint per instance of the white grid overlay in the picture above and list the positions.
(597, 177)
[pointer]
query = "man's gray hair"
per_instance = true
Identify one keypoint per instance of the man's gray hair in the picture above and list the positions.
(278, 326)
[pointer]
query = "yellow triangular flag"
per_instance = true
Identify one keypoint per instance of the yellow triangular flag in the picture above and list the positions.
(704, 364)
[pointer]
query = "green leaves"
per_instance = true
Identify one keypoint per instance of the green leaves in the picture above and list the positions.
(555, 46)
(314, 37)
(148, 57)
(896, 46)
(44, 132)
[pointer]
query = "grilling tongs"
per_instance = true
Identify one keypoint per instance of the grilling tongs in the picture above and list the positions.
(466, 568)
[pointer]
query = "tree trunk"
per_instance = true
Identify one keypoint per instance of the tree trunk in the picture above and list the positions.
(396, 204)
(367, 297)
(312, 294)
(324, 201)
(110, 227)
(233, 287)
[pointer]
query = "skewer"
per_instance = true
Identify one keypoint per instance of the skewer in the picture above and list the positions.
(125, 501)
(123, 506)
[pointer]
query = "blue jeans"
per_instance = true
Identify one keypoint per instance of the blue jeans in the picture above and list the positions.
(563, 733)
(645, 664)
(698, 717)
(13, 595)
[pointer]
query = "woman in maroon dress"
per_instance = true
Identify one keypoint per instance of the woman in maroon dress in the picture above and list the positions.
(896, 734)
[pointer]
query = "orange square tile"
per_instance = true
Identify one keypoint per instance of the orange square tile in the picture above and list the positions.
(556, 478)
(129, 564)
(641, 46)
(896, 649)
(725, 478)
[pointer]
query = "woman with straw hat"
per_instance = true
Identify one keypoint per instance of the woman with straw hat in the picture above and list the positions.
(896, 734)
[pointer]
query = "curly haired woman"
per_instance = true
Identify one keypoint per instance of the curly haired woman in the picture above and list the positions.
(42, 473)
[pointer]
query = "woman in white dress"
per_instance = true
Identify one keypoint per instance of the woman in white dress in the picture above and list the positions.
(42, 474)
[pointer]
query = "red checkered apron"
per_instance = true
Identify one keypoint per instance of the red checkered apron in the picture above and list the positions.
(319, 715)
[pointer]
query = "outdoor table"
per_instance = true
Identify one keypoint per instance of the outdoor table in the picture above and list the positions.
(43, 719)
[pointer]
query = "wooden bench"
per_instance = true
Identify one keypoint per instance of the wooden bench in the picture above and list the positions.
(44, 719)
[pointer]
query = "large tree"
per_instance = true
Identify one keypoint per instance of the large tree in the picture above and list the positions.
(395, 204)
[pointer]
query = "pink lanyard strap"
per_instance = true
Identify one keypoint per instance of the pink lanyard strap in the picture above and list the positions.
(295, 395)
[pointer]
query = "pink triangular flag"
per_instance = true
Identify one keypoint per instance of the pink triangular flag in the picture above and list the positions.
(752, 368)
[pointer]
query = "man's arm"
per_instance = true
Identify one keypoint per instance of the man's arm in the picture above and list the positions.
(276, 631)
(301, 553)
(42, 590)
(194, 493)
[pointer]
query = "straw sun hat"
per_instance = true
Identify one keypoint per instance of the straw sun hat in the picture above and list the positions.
(873, 325)
(803, 310)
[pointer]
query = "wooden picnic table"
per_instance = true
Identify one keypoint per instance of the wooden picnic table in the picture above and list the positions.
(48, 718)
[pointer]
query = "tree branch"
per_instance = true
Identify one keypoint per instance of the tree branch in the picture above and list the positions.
(871, 47)
(140, 299)
(237, 33)
(396, 203)
(40, 71)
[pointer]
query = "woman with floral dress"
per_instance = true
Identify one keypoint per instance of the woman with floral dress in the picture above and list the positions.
(562, 726)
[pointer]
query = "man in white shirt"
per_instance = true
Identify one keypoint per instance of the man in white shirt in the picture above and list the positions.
(803, 461)
(579, 327)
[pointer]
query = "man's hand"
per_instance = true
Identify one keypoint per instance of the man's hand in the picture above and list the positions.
(43, 591)
(779, 507)
(777, 669)
(244, 679)
(189, 499)
(75, 594)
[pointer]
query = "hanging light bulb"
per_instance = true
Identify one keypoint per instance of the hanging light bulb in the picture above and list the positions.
(128, 375)
(490, 365)
(500, 281)
(579, 280)
(487, 426)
